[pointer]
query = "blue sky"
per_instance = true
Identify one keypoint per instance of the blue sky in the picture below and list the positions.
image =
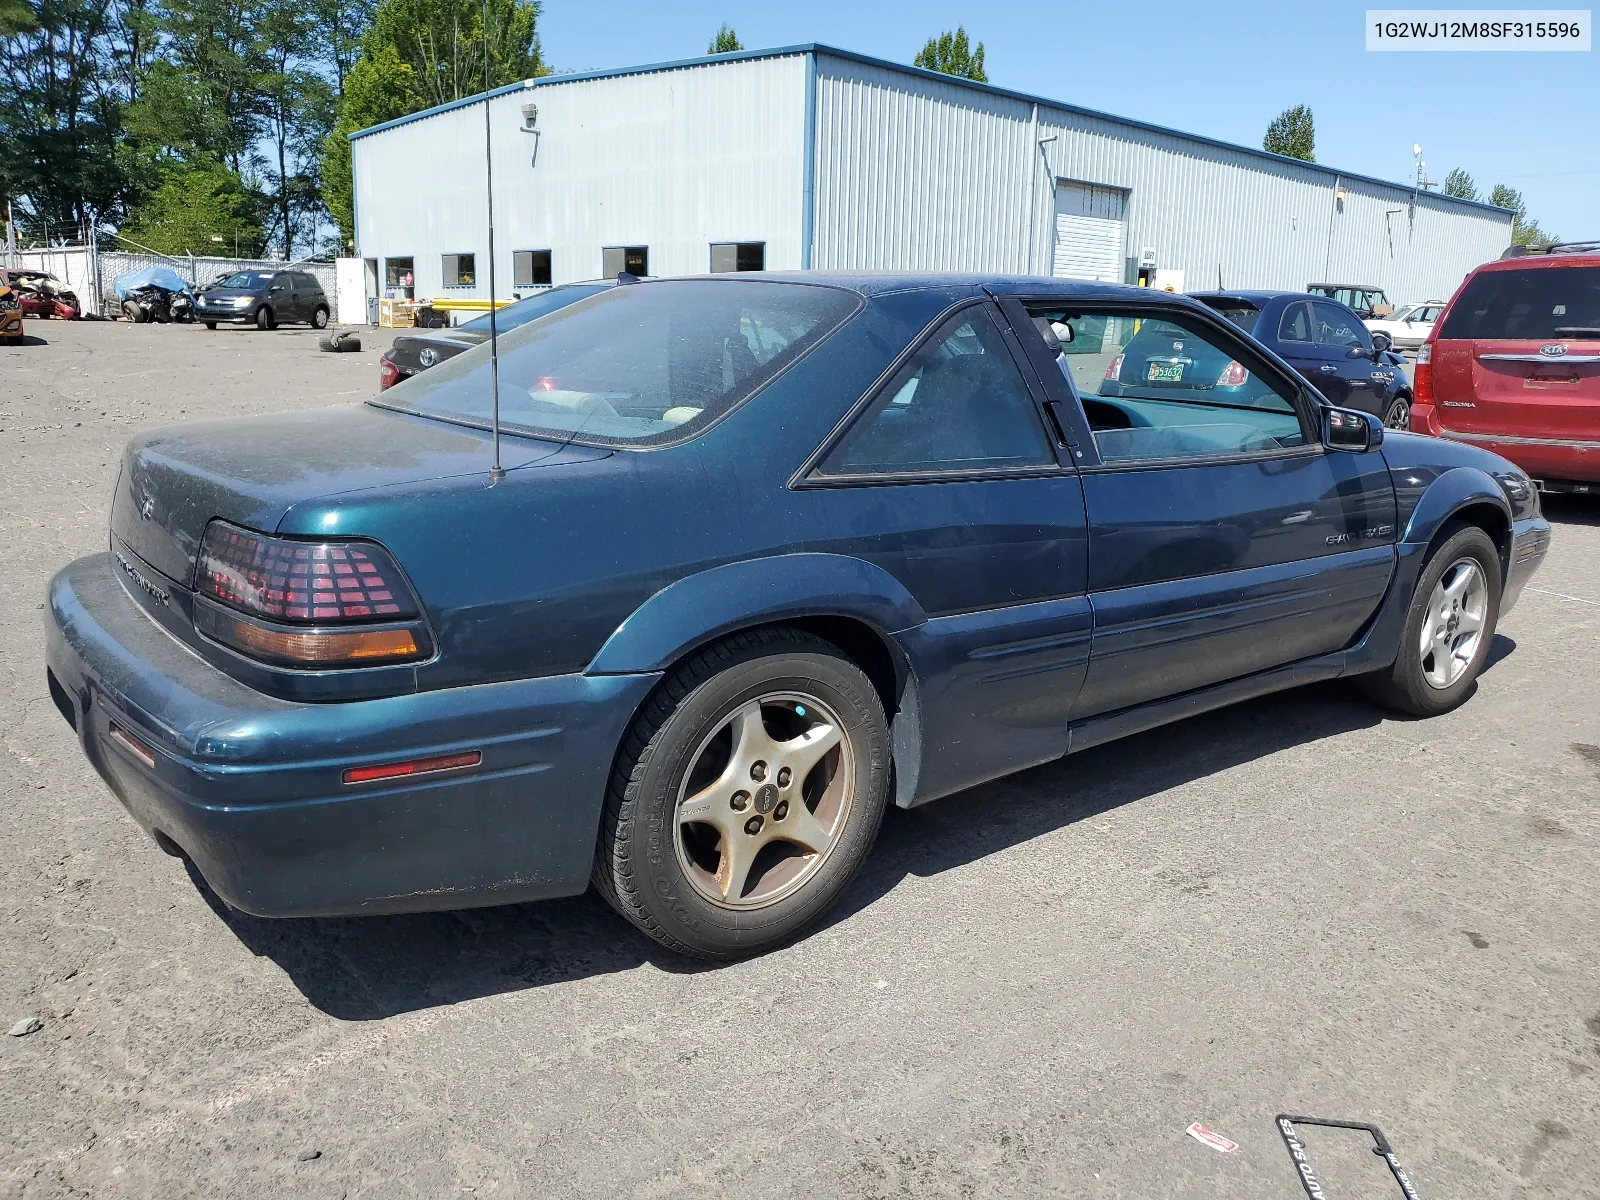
(1224, 71)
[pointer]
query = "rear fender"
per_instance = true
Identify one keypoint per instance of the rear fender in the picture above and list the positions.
(701, 608)
(760, 591)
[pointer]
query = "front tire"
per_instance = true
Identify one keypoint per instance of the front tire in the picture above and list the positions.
(746, 795)
(264, 319)
(1448, 629)
(211, 324)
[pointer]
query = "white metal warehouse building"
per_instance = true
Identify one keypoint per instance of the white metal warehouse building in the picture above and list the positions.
(813, 157)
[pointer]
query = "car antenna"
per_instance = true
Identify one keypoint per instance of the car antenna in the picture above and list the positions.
(496, 471)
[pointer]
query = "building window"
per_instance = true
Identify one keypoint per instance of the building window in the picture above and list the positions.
(530, 268)
(398, 281)
(738, 256)
(458, 270)
(635, 260)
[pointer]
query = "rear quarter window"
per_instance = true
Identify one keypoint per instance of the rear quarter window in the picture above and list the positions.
(641, 365)
(1531, 304)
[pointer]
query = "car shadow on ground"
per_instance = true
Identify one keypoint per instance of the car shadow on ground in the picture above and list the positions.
(1566, 508)
(368, 968)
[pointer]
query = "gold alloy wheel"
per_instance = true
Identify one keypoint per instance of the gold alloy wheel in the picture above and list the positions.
(764, 801)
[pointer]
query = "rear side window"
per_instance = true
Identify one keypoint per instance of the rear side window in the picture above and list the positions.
(1242, 315)
(959, 405)
(1530, 304)
(1296, 324)
(634, 366)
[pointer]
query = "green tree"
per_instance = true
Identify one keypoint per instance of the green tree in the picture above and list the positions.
(340, 25)
(1293, 134)
(950, 53)
(198, 97)
(1525, 230)
(194, 203)
(419, 53)
(726, 42)
(295, 113)
(1460, 185)
(60, 110)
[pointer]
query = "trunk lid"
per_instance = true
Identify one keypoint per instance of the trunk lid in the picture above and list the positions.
(1518, 353)
(252, 470)
(1520, 388)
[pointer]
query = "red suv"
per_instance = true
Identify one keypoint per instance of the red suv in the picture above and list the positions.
(1514, 365)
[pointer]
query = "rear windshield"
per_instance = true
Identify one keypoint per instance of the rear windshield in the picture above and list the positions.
(1531, 304)
(639, 365)
(531, 309)
(1242, 315)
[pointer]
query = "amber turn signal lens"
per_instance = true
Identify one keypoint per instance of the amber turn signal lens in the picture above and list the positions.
(325, 647)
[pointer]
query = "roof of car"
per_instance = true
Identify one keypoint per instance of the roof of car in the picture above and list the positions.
(880, 283)
(1254, 297)
(1526, 262)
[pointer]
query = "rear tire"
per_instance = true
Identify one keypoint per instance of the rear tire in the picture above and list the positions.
(717, 857)
(264, 319)
(1449, 626)
(319, 319)
(1398, 415)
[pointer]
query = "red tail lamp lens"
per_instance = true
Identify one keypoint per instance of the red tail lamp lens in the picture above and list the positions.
(1114, 368)
(417, 766)
(388, 372)
(1233, 375)
(301, 581)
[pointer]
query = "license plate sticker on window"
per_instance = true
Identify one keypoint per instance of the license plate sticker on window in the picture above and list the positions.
(1164, 372)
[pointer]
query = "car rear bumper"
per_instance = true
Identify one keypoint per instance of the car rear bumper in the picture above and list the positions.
(251, 787)
(1554, 461)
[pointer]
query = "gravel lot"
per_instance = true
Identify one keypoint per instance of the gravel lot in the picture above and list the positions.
(1299, 905)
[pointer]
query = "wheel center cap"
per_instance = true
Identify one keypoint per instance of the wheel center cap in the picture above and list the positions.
(766, 798)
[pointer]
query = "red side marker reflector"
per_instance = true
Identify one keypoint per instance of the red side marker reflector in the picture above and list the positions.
(417, 766)
(134, 746)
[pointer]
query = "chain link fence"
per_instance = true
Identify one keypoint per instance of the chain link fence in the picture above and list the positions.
(89, 270)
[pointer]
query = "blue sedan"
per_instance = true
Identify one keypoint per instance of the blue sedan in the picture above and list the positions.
(1328, 344)
(768, 554)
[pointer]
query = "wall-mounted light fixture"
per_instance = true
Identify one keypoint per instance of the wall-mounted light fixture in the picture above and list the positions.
(530, 123)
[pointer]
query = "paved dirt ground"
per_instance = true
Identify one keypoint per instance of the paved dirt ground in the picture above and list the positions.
(1300, 905)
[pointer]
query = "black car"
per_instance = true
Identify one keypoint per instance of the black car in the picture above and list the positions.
(414, 352)
(265, 299)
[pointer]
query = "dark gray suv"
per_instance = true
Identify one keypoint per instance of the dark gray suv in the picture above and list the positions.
(265, 299)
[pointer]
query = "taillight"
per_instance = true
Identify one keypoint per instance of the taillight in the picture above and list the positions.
(1422, 375)
(1114, 368)
(306, 603)
(1233, 375)
(388, 373)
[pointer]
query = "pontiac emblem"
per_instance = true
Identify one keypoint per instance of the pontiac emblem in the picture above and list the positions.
(427, 358)
(1554, 350)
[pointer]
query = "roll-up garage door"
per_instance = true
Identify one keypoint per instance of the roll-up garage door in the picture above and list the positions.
(1089, 232)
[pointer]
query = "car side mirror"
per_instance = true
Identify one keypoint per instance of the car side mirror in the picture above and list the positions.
(1351, 431)
(1381, 341)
